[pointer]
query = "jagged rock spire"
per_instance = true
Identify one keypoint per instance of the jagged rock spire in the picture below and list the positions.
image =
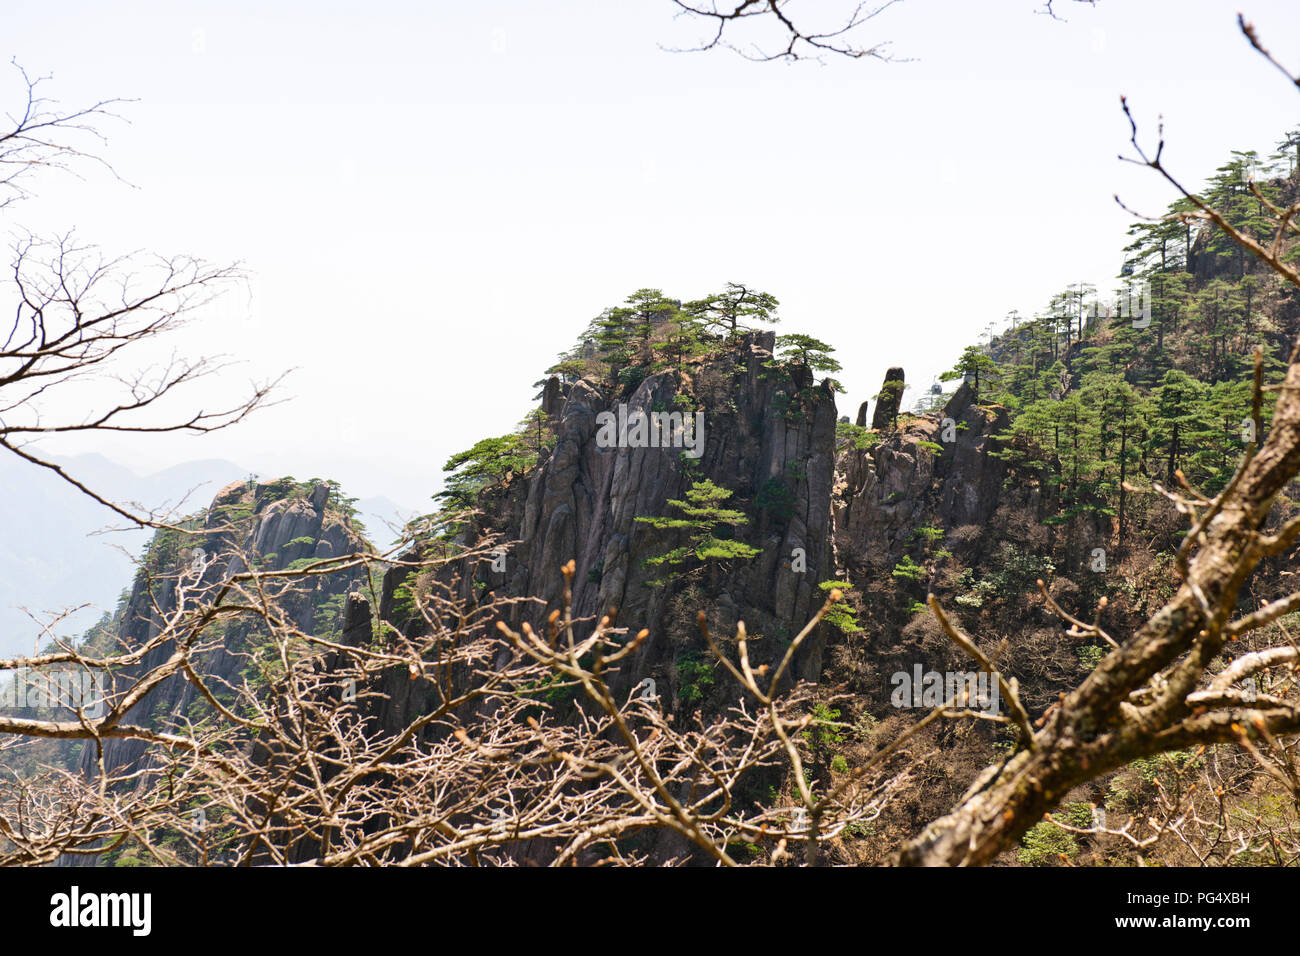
(891, 396)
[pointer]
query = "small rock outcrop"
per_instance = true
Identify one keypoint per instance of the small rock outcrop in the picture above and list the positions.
(889, 400)
(932, 470)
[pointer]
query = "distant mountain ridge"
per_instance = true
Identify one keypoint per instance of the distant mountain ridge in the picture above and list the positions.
(52, 556)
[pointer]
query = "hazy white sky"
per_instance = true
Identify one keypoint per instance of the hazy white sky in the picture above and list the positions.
(434, 198)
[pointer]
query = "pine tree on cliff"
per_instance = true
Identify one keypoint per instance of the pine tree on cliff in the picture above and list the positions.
(806, 350)
(702, 518)
(726, 311)
(487, 461)
(973, 363)
(648, 308)
(613, 335)
(536, 432)
(683, 340)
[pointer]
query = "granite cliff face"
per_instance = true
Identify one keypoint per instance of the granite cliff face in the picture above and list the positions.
(768, 437)
(935, 470)
(814, 512)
